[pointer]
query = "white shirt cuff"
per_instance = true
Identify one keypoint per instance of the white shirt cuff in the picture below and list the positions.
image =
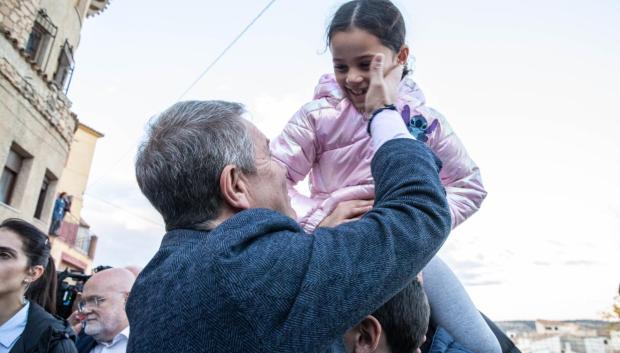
(387, 125)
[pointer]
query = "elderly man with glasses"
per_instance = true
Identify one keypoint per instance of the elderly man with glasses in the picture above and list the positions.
(102, 312)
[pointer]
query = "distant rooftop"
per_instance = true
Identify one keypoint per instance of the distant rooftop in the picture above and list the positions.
(91, 130)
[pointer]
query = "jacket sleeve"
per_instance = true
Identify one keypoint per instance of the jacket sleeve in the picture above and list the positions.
(356, 267)
(64, 346)
(296, 149)
(317, 286)
(460, 174)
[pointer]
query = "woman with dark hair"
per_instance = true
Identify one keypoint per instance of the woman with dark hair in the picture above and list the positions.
(27, 290)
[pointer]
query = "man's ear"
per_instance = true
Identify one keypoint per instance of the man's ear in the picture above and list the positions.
(234, 187)
(403, 55)
(367, 335)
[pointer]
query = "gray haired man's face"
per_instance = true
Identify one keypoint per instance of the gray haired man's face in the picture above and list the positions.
(268, 185)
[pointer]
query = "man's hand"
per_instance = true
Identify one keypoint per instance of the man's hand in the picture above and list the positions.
(75, 320)
(347, 211)
(383, 86)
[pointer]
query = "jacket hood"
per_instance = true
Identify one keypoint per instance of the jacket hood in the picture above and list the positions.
(409, 92)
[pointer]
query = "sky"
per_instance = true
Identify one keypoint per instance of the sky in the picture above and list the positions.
(530, 87)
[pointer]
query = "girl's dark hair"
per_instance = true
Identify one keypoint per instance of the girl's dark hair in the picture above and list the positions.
(380, 18)
(36, 246)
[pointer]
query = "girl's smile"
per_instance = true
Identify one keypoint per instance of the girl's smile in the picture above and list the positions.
(352, 52)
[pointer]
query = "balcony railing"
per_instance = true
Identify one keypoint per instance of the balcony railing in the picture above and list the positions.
(74, 236)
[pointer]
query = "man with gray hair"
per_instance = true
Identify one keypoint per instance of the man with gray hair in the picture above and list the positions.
(235, 273)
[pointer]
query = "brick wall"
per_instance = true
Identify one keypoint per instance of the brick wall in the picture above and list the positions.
(18, 17)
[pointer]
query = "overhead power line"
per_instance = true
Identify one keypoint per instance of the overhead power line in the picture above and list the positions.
(124, 155)
(123, 209)
(226, 50)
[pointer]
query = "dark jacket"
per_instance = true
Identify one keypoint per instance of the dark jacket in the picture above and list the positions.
(85, 343)
(258, 283)
(45, 333)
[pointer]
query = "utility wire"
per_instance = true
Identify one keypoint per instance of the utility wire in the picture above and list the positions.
(159, 224)
(124, 155)
(226, 50)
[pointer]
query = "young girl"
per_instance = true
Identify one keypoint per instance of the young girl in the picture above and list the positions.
(327, 139)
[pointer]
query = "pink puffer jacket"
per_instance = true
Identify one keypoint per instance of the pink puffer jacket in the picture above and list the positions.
(327, 138)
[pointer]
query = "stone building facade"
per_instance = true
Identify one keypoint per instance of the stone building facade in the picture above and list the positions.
(38, 39)
(75, 246)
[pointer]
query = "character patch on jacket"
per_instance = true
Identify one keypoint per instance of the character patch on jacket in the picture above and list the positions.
(417, 124)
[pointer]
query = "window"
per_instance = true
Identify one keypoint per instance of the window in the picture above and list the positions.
(62, 77)
(43, 31)
(42, 197)
(9, 176)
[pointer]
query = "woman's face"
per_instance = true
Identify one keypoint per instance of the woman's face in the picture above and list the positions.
(13, 264)
(352, 52)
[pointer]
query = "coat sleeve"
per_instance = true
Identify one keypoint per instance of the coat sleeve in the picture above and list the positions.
(296, 148)
(63, 343)
(315, 287)
(358, 266)
(460, 175)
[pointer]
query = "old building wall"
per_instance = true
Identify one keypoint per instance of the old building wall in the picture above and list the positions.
(75, 175)
(66, 15)
(37, 127)
(18, 17)
(36, 119)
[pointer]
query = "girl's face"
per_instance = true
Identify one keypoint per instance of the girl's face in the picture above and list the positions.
(13, 264)
(352, 52)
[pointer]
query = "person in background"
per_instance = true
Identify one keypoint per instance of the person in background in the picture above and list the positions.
(68, 203)
(27, 290)
(399, 326)
(58, 213)
(102, 311)
(134, 269)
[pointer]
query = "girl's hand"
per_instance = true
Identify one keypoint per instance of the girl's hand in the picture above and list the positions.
(383, 86)
(347, 211)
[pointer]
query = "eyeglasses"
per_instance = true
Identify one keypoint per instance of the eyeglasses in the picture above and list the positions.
(92, 302)
(95, 301)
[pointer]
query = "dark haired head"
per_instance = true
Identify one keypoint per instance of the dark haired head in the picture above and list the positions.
(36, 247)
(380, 18)
(404, 318)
